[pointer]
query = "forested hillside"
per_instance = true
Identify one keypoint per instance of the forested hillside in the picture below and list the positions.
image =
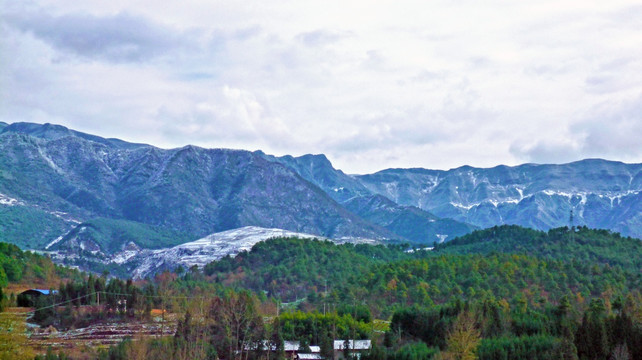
(23, 269)
(580, 244)
(518, 265)
(501, 293)
(290, 268)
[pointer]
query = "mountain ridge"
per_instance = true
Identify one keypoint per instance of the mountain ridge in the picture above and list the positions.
(601, 193)
(55, 178)
(191, 190)
(415, 225)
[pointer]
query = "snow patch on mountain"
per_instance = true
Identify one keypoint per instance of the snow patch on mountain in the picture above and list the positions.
(49, 161)
(130, 250)
(462, 206)
(9, 201)
(141, 262)
(210, 248)
(493, 202)
(65, 216)
(583, 198)
(57, 240)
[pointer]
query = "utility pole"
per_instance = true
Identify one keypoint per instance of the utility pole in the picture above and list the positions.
(325, 296)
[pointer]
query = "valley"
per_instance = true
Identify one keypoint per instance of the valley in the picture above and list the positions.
(142, 252)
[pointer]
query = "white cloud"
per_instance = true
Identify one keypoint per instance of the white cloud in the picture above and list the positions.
(373, 85)
(122, 37)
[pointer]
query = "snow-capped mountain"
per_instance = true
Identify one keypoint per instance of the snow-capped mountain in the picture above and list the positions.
(601, 194)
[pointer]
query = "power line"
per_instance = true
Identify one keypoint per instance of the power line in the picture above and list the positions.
(120, 294)
(61, 303)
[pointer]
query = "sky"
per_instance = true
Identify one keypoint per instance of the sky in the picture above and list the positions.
(371, 84)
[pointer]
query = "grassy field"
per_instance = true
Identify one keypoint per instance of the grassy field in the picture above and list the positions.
(14, 342)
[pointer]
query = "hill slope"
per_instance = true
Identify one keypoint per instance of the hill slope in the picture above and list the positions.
(582, 245)
(544, 265)
(414, 224)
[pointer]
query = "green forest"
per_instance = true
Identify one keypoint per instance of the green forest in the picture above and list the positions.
(501, 293)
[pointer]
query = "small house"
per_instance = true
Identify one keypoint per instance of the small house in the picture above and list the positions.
(314, 354)
(353, 347)
(28, 298)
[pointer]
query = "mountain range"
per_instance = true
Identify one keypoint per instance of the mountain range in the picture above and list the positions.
(59, 186)
(597, 193)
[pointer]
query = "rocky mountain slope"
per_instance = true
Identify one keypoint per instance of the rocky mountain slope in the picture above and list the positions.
(409, 222)
(601, 194)
(190, 190)
(318, 170)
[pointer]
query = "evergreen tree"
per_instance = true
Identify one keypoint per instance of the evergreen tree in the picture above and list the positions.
(326, 343)
(591, 338)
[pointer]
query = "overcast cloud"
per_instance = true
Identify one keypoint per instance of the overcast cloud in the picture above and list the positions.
(370, 84)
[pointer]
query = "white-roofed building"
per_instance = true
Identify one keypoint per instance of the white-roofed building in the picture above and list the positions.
(356, 347)
(309, 356)
(292, 348)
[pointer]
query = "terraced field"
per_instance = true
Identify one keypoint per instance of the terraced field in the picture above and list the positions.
(21, 339)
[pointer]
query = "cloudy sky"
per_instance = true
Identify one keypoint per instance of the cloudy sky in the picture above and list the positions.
(372, 84)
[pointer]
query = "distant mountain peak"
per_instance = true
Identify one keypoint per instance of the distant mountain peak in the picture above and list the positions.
(44, 131)
(319, 158)
(50, 132)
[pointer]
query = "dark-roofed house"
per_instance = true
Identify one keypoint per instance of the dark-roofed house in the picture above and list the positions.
(27, 298)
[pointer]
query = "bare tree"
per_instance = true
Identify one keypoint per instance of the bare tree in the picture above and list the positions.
(237, 327)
